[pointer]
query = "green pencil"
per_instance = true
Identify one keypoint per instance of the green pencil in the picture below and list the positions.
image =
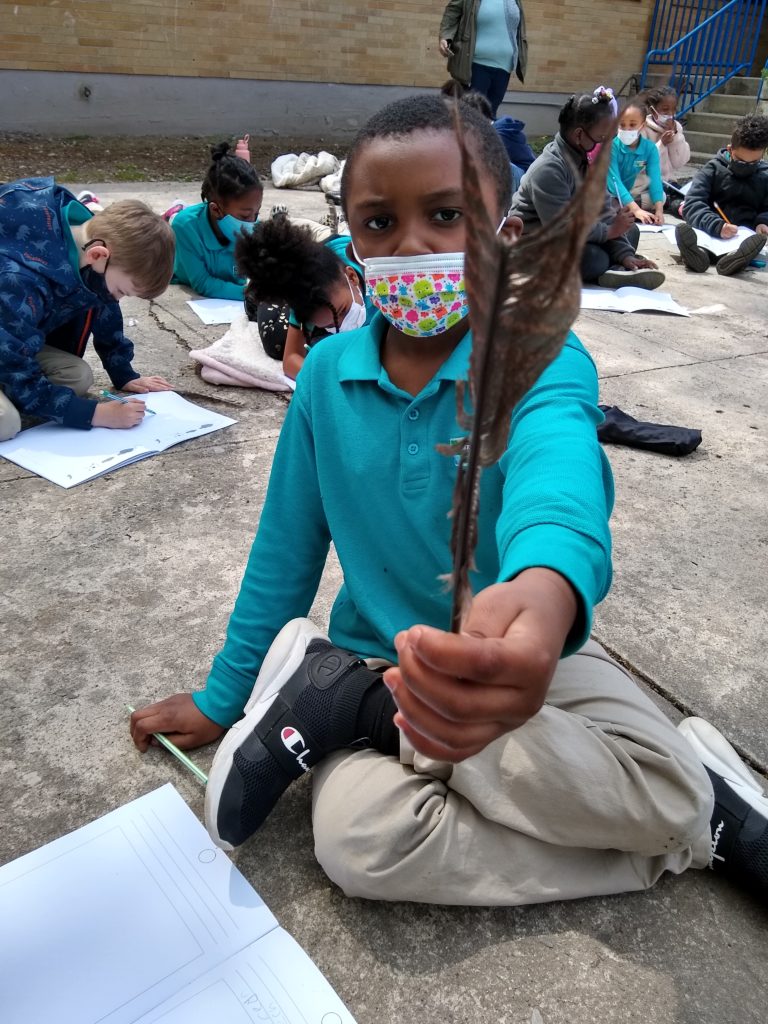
(179, 754)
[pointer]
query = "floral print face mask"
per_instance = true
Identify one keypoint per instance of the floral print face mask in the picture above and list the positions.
(420, 295)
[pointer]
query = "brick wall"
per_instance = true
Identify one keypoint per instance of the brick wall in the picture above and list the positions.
(574, 44)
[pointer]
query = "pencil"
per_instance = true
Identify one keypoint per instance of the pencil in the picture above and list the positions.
(722, 214)
(179, 754)
(117, 398)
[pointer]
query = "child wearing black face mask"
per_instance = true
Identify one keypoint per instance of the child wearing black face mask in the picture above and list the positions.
(64, 271)
(729, 192)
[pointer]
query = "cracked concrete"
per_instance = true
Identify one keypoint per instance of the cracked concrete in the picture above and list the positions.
(119, 591)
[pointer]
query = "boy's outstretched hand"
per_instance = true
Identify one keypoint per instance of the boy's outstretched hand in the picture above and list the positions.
(456, 693)
(179, 719)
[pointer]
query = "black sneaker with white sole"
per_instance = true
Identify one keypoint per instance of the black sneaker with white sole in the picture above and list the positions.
(647, 278)
(306, 704)
(739, 820)
(735, 262)
(692, 254)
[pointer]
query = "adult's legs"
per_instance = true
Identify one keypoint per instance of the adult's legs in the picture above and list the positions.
(491, 82)
(594, 262)
(596, 794)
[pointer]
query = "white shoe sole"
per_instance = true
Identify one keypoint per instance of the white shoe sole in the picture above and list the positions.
(715, 752)
(287, 652)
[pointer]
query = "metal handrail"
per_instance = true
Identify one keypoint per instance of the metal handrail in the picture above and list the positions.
(697, 65)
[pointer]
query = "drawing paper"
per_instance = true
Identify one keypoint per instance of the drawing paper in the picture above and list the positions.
(67, 457)
(137, 918)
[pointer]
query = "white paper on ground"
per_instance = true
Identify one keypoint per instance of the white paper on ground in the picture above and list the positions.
(67, 457)
(650, 229)
(630, 300)
(216, 311)
(138, 919)
(717, 246)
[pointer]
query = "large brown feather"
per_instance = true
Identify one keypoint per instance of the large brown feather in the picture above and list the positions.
(523, 299)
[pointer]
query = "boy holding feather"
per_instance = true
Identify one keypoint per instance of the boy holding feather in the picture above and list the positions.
(511, 761)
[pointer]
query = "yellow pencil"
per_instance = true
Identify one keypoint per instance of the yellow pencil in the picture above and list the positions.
(722, 214)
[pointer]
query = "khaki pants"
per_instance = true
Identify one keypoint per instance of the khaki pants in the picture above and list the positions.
(598, 793)
(59, 367)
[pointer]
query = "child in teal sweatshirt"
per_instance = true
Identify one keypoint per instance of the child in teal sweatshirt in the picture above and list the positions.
(632, 155)
(206, 232)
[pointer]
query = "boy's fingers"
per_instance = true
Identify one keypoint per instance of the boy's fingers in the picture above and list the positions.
(482, 659)
(433, 748)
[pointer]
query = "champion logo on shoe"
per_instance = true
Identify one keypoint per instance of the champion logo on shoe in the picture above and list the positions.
(715, 840)
(294, 743)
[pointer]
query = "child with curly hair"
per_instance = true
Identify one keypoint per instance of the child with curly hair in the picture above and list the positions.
(321, 282)
(729, 192)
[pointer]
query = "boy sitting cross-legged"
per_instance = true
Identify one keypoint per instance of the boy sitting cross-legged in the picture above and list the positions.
(729, 192)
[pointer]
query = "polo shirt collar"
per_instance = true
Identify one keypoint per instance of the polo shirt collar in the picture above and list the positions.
(361, 358)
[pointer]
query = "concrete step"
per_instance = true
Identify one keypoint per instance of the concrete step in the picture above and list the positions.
(706, 142)
(742, 86)
(722, 103)
(699, 159)
(705, 121)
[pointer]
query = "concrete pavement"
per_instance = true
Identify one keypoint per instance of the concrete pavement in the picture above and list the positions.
(120, 590)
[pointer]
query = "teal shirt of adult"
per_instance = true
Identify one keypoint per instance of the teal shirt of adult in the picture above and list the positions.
(202, 261)
(627, 163)
(356, 464)
(491, 33)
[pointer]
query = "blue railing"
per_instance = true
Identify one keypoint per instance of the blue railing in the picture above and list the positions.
(716, 49)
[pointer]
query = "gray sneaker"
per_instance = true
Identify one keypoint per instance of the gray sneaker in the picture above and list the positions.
(734, 262)
(648, 279)
(692, 254)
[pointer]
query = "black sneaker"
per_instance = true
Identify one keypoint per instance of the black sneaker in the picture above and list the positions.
(297, 714)
(740, 816)
(693, 256)
(735, 262)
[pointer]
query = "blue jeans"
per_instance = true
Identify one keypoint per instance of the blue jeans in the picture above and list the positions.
(491, 82)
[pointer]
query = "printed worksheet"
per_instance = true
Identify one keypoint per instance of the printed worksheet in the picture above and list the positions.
(216, 311)
(138, 919)
(630, 300)
(717, 246)
(67, 457)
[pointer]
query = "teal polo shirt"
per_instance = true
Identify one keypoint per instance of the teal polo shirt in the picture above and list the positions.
(356, 464)
(201, 261)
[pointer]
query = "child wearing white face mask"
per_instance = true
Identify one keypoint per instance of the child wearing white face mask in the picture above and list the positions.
(321, 282)
(632, 154)
(206, 232)
(665, 132)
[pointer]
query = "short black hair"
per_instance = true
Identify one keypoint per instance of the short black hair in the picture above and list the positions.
(751, 132)
(285, 265)
(479, 102)
(583, 111)
(229, 176)
(636, 103)
(431, 113)
(653, 97)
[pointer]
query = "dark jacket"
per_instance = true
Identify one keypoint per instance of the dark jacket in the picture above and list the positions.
(459, 26)
(744, 201)
(549, 184)
(41, 290)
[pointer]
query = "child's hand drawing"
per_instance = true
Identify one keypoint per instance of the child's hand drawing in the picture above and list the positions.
(456, 693)
(178, 718)
(119, 415)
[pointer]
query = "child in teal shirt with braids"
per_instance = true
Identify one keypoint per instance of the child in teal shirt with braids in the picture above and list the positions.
(633, 154)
